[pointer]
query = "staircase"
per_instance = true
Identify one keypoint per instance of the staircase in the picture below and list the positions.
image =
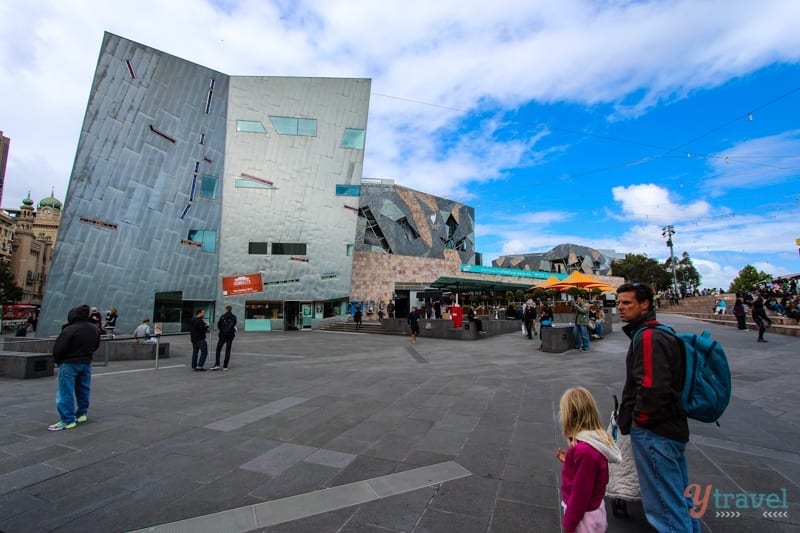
(701, 308)
(350, 327)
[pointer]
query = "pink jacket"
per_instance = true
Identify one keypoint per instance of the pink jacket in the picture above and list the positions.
(584, 477)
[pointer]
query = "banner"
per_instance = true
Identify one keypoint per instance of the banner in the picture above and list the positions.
(245, 284)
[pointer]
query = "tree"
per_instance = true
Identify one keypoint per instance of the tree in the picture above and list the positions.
(685, 272)
(748, 279)
(637, 267)
(10, 293)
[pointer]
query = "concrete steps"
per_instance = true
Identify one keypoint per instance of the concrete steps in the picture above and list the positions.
(350, 327)
(701, 307)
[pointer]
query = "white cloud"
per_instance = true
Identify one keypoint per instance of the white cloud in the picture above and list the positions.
(652, 203)
(755, 163)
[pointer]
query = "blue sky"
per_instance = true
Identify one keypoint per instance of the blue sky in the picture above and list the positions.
(590, 122)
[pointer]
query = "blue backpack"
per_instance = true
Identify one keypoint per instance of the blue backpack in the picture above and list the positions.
(707, 387)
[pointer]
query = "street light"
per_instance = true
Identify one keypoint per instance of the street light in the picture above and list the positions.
(668, 232)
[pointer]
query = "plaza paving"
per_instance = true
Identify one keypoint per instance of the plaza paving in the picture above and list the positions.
(349, 432)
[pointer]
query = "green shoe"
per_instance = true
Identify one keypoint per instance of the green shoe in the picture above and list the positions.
(58, 426)
(81, 419)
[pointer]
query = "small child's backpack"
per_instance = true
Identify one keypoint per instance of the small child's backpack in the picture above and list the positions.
(707, 386)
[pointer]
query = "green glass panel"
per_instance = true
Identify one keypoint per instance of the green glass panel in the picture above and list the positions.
(353, 138)
(250, 126)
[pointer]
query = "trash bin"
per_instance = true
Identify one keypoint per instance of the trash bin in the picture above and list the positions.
(458, 316)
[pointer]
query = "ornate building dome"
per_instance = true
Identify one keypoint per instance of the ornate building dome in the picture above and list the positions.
(50, 201)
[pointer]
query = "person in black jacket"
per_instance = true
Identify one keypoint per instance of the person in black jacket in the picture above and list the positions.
(226, 331)
(197, 333)
(650, 412)
(72, 353)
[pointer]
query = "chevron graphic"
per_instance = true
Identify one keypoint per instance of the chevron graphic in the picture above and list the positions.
(775, 514)
(728, 514)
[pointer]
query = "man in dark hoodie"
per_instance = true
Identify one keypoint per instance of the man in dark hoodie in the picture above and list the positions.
(650, 412)
(72, 353)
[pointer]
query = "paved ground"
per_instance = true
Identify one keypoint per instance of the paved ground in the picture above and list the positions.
(318, 431)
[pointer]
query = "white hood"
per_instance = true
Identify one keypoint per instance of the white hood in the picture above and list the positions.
(593, 439)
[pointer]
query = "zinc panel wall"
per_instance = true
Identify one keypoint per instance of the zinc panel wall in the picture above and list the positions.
(303, 206)
(124, 174)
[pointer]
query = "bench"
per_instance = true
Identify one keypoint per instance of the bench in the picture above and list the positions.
(25, 365)
(118, 350)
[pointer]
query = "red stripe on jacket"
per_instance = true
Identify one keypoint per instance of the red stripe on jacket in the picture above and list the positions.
(647, 369)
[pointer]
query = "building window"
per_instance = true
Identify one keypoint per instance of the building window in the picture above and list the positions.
(208, 187)
(350, 249)
(306, 127)
(246, 181)
(288, 248)
(348, 190)
(258, 248)
(410, 233)
(250, 126)
(205, 238)
(353, 138)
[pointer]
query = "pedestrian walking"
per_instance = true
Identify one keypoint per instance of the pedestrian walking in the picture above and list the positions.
(760, 318)
(413, 324)
(197, 333)
(72, 353)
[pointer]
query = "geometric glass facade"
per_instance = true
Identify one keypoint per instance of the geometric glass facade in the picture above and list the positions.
(179, 169)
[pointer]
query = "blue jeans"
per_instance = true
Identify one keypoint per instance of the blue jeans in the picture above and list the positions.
(663, 477)
(202, 347)
(581, 334)
(74, 381)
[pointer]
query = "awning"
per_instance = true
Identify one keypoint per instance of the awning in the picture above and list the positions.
(476, 285)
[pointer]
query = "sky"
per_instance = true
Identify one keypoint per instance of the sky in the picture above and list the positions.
(597, 123)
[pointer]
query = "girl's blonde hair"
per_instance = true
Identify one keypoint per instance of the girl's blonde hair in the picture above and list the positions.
(578, 412)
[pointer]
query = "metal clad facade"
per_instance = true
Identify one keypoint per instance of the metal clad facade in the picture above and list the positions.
(302, 206)
(121, 231)
(149, 135)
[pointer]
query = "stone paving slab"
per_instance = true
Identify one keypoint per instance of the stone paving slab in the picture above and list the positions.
(311, 411)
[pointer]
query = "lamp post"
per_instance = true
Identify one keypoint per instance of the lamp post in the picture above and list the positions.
(668, 232)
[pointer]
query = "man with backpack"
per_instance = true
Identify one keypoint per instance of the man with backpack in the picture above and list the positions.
(650, 411)
(226, 331)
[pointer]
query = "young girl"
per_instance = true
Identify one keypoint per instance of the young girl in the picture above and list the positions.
(584, 475)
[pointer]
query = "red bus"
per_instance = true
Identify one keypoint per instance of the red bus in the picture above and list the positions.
(16, 314)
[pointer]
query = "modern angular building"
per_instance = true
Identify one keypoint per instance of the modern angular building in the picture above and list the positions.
(192, 189)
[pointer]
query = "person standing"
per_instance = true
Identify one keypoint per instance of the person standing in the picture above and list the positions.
(581, 328)
(72, 353)
(357, 317)
(197, 333)
(739, 313)
(97, 320)
(528, 318)
(584, 475)
(413, 324)
(649, 411)
(390, 309)
(226, 331)
(760, 318)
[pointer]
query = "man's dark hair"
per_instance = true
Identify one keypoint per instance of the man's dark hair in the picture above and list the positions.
(643, 292)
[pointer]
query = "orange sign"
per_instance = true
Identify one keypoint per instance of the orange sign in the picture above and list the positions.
(244, 284)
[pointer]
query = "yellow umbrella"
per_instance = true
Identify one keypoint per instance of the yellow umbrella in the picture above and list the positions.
(604, 287)
(550, 283)
(579, 279)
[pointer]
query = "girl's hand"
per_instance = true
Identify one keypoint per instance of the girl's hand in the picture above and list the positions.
(561, 454)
